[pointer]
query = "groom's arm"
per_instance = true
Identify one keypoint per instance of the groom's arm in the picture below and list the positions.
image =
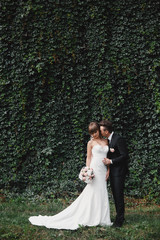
(122, 151)
(120, 154)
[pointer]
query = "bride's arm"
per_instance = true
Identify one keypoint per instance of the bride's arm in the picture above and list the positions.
(107, 173)
(89, 154)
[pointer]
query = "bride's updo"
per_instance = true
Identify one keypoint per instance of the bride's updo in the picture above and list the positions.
(94, 127)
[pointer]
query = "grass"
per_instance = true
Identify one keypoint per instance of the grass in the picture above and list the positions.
(142, 221)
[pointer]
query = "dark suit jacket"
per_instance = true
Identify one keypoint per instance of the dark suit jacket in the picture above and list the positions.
(119, 157)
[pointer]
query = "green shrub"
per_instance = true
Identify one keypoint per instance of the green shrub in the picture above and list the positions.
(64, 64)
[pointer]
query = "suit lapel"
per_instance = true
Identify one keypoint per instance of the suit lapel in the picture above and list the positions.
(111, 144)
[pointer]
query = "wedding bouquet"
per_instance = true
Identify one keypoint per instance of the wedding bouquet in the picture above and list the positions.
(86, 174)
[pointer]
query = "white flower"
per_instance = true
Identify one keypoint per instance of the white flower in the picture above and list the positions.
(112, 150)
(86, 174)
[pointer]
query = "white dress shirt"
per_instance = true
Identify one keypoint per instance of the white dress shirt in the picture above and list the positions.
(110, 138)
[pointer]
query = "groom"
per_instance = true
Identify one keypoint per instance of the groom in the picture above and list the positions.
(117, 159)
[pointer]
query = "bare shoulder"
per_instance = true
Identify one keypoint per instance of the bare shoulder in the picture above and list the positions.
(105, 141)
(90, 143)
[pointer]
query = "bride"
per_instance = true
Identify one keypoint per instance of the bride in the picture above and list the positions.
(91, 208)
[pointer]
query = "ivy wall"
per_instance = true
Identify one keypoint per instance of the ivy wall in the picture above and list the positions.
(65, 63)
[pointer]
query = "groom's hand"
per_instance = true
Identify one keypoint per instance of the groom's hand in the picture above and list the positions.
(106, 161)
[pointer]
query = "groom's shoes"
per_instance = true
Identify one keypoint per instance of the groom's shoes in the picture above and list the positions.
(117, 224)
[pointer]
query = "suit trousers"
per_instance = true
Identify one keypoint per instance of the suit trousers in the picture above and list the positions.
(117, 186)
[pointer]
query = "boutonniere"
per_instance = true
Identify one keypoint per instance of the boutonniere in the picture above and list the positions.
(112, 150)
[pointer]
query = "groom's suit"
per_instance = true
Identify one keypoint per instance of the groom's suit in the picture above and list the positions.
(118, 171)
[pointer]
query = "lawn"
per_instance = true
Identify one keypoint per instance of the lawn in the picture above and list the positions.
(142, 221)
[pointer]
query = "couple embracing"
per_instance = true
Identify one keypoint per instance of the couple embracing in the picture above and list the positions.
(107, 155)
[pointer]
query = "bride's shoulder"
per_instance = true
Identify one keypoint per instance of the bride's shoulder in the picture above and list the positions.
(91, 143)
(105, 141)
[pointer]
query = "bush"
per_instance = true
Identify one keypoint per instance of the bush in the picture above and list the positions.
(64, 64)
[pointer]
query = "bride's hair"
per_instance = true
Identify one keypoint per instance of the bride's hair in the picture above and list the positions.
(94, 127)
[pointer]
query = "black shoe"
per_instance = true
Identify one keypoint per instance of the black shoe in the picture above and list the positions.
(117, 224)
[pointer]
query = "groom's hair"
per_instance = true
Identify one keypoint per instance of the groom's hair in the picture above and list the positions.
(107, 125)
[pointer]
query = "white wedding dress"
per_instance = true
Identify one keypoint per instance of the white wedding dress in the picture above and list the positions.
(91, 208)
